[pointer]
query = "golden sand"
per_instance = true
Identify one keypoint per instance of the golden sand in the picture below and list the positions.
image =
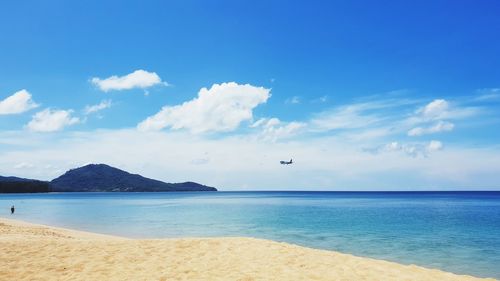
(35, 252)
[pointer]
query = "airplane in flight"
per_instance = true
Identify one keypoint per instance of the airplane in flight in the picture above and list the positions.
(286, 162)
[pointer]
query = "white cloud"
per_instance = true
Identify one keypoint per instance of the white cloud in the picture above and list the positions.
(258, 123)
(321, 99)
(273, 129)
(491, 94)
(411, 149)
(293, 100)
(138, 79)
(393, 146)
(435, 109)
(19, 102)
(49, 120)
(362, 115)
(23, 165)
(219, 109)
(441, 126)
(434, 117)
(97, 107)
(441, 109)
(272, 122)
(345, 117)
(434, 145)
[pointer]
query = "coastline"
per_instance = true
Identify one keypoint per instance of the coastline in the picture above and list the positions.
(31, 251)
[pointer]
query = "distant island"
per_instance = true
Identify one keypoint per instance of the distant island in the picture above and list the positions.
(96, 178)
(20, 185)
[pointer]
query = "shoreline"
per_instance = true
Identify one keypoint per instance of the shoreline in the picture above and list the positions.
(32, 251)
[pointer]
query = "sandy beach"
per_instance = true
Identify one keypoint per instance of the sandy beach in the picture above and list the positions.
(36, 252)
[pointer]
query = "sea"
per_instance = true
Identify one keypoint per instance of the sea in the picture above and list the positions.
(457, 232)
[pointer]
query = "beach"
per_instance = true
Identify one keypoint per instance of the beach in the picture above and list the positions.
(37, 252)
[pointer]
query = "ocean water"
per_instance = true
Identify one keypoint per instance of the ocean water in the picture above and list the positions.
(453, 231)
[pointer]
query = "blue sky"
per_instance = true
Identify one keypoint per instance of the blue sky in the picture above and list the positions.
(342, 87)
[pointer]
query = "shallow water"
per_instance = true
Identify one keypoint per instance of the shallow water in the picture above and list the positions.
(453, 231)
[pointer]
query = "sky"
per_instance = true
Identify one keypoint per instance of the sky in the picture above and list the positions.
(362, 96)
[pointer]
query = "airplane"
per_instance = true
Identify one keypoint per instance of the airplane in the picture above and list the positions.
(286, 162)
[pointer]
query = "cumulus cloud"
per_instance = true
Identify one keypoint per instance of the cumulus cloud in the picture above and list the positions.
(434, 145)
(434, 117)
(441, 109)
(435, 109)
(19, 102)
(141, 79)
(219, 109)
(89, 109)
(50, 120)
(273, 129)
(441, 126)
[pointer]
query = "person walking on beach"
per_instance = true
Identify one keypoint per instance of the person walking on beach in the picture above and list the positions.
(12, 210)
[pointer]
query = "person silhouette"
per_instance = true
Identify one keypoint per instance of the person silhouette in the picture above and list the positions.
(12, 210)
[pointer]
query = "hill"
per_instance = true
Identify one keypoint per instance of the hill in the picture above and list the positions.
(104, 178)
(21, 185)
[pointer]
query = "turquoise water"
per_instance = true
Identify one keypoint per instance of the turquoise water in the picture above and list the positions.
(453, 231)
